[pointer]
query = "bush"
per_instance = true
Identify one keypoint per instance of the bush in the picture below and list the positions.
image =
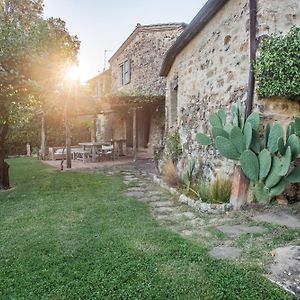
(277, 67)
(170, 174)
(217, 192)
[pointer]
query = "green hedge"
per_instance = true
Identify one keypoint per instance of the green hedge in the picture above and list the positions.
(277, 68)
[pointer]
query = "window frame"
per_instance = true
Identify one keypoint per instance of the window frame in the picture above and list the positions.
(125, 72)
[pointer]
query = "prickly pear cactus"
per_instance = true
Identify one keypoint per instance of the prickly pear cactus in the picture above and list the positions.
(268, 160)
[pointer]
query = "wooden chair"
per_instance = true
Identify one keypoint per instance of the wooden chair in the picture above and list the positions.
(106, 151)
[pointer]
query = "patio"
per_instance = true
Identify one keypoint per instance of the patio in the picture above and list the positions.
(143, 162)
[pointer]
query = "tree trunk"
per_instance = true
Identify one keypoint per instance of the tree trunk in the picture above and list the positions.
(68, 143)
(4, 175)
(43, 139)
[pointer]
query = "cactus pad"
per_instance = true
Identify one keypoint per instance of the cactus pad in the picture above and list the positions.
(227, 148)
(250, 165)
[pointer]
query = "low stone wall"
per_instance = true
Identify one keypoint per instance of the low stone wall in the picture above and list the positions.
(196, 205)
(281, 110)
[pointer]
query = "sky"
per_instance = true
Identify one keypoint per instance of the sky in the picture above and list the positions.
(105, 24)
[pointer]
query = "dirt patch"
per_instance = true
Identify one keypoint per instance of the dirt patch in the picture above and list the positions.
(285, 270)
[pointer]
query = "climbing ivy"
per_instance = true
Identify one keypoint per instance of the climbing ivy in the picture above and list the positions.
(277, 67)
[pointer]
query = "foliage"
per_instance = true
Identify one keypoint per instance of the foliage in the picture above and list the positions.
(158, 152)
(277, 67)
(187, 175)
(29, 132)
(170, 174)
(268, 162)
(173, 146)
(217, 192)
(65, 234)
(34, 53)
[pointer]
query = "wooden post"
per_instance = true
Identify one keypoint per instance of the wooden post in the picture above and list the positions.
(240, 183)
(43, 139)
(239, 191)
(68, 137)
(253, 46)
(68, 143)
(134, 134)
(94, 129)
(28, 149)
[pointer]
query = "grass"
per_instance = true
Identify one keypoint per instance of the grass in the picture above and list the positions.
(72, 235)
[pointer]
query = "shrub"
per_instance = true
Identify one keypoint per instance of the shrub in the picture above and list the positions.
(174, 149)
(170, 174)
(277, 67)
(217, 192)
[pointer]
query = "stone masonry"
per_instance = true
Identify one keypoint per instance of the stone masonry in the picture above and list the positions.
(145, 49)
(212, 72)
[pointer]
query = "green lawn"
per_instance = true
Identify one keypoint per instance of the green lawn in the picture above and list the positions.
(73, 235)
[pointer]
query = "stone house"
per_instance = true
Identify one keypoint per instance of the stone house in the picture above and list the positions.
(208, 68)
(133, 110)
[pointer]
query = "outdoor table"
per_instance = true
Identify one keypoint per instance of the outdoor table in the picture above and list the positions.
(92, 145)
(118, 146)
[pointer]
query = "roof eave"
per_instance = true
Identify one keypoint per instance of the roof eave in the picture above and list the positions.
(136, 30)
(207, 12)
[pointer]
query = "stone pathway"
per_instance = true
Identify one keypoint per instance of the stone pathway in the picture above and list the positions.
(225, 252)
(218, 232)
(165, 207)
(286, 268)
(237, 230)
(280, 218)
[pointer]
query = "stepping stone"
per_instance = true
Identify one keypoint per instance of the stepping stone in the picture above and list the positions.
(285, 270)
(196, 222)
(144, 199)
(164, 210)
(130, 178)
(240, 229)
(155, 198)
(281, 218)
(155, 193)
(225, 252)
(163, 217)
(141, 184)
(135, 189)
(110, 173)
(187, 232)
(162, 204)
(135, 194)
(185, 215)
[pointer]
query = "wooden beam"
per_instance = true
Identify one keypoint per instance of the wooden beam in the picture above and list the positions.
(252, 43)
(134, 134)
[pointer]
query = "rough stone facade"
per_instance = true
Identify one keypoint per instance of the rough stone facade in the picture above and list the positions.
(212, 72)
(144, 49)
(135, 82)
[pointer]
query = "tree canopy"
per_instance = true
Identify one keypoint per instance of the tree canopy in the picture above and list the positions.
(34, 54)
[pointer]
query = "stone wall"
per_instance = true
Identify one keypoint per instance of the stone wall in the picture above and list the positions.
(156, 128)
(212, 72)
(145, 50)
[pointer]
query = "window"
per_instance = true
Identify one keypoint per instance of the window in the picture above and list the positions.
(125, 69)
(173, 102)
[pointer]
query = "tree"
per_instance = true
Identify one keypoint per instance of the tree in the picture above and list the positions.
(33, 54)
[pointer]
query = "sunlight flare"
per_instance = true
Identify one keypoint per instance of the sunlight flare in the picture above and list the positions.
(73, 73)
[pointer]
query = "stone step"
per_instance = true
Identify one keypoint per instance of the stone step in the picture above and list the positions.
(164, 210)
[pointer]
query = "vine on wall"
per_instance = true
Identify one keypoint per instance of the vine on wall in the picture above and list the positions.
(277, 68)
